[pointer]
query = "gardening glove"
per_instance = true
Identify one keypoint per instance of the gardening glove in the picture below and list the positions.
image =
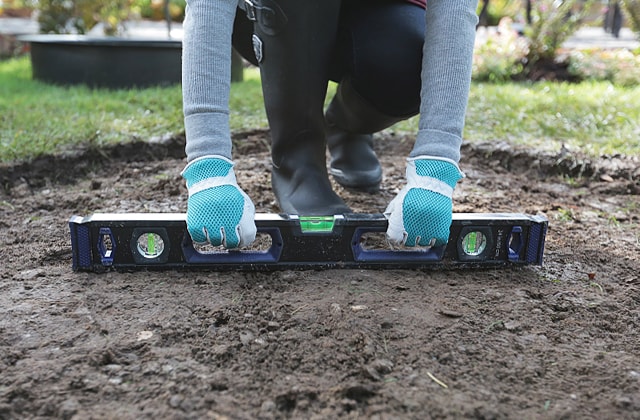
(218, 211)
(421, 213)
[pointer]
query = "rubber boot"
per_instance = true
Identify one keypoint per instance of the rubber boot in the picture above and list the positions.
(293, 47)
(351, 120)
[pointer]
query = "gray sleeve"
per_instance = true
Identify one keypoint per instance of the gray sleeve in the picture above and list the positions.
(446, 77)
(206, 76)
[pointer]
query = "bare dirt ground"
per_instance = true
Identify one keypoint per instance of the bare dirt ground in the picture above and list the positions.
(557, 341)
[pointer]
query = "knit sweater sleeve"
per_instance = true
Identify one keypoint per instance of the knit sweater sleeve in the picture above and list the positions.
(446, 77)
(206, 76)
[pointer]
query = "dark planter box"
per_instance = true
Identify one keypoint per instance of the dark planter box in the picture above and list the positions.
(109, 62)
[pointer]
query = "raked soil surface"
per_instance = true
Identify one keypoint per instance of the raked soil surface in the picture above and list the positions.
(557, 341)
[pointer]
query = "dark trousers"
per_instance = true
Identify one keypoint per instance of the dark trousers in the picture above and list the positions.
(378, 48)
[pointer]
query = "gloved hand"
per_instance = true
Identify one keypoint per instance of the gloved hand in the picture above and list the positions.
(420, 215)
(218, 211)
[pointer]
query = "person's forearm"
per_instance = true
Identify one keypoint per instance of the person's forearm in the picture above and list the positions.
(206, 76)
(446, 77)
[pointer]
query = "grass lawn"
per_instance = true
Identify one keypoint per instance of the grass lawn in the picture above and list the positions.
(37, 118)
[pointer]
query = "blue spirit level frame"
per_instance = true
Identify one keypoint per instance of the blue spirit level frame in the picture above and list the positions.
(159, 241)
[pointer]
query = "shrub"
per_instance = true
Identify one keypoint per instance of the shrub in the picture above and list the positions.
(154, 9)
(496, 10)
(80, 16)
(619, 66)
(552, 23)
(499, 55)
(16, 8)
(632, 10)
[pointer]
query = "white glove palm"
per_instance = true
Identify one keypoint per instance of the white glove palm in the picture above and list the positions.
(421, 213)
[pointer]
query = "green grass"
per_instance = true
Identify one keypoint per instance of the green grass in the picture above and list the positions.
(36, 118)
(595, 117)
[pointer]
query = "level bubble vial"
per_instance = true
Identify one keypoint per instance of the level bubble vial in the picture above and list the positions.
(474, 243)
(150, 245)
(317, 224)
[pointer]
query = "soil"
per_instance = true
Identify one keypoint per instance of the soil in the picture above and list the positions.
(554, 69)
(557, 341)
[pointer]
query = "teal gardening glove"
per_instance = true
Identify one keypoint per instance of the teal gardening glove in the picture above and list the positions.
(421, 213)
(218, 211)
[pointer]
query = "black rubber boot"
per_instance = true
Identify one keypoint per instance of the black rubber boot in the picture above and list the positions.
(294, 48)
(351, 120)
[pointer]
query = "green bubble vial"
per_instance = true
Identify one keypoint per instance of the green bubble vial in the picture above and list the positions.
(150, 245)
(317, 224)
(474, 243)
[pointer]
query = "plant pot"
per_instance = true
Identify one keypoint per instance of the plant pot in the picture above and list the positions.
(109, 62)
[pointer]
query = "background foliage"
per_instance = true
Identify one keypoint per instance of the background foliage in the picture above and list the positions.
(552, 23)
(632, 11)
(498, 9)
(80, 16)
(503, 53)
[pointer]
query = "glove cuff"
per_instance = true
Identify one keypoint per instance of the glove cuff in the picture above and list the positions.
(443, 159)
(208, 172)
(437, 175)
(207, 167)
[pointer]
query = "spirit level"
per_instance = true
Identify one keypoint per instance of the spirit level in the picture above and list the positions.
(160, 241)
